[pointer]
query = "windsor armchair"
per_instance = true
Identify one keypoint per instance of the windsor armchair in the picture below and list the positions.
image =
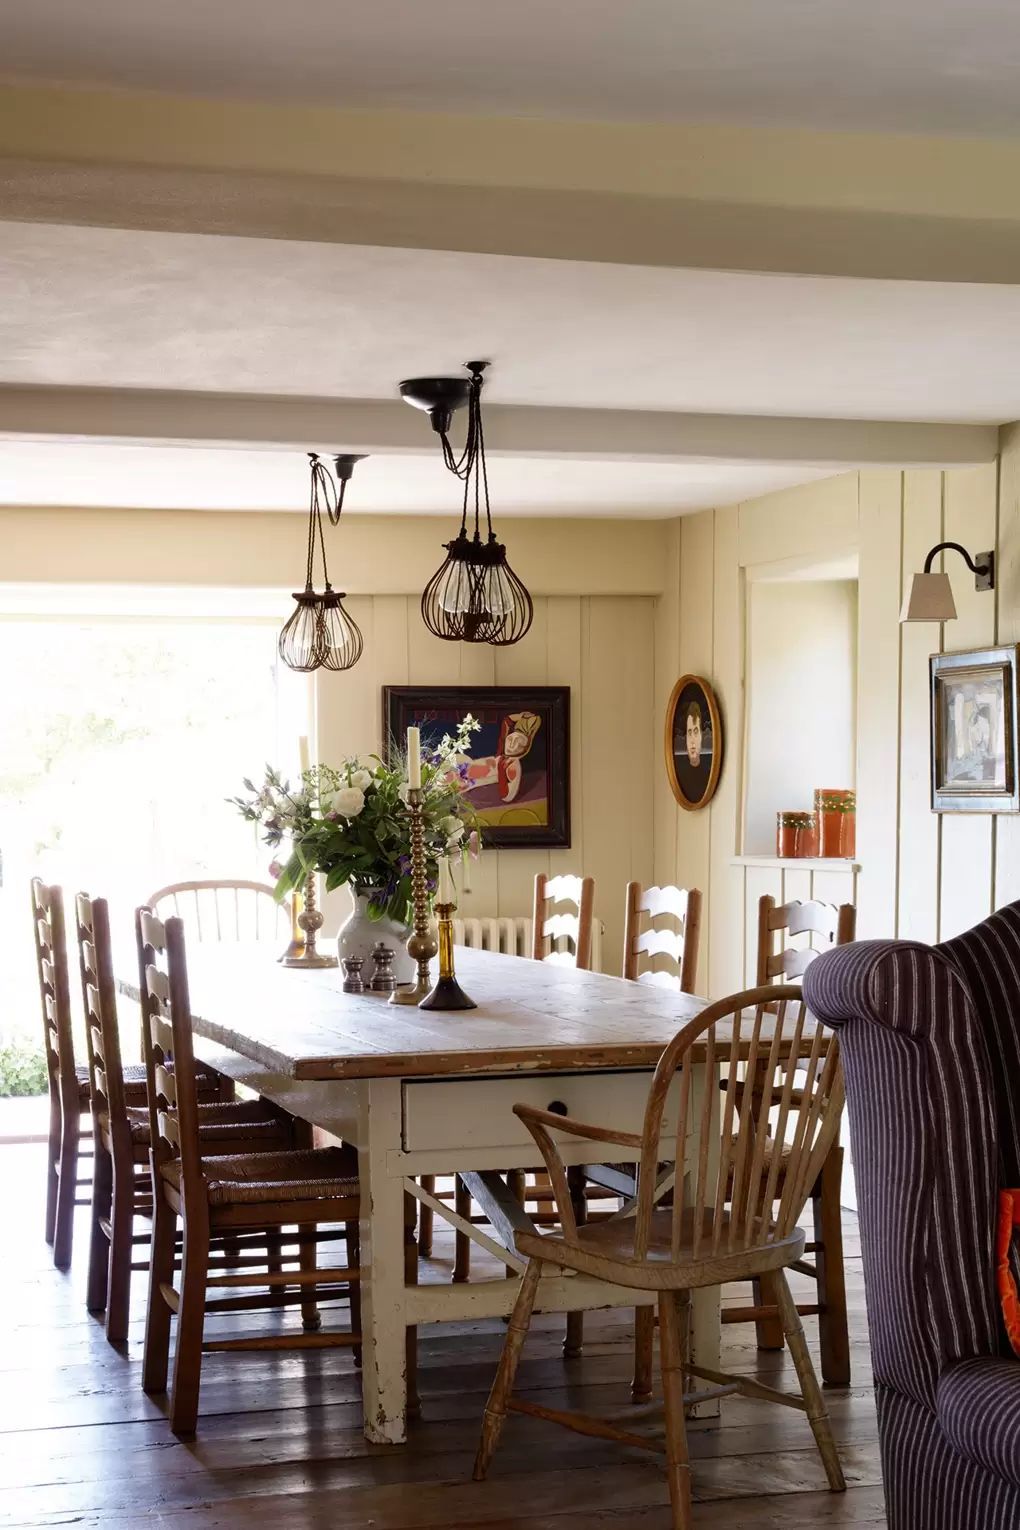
(224, 910)
(729, 1218)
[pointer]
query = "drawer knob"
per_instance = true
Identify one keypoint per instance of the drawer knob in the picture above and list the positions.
(557, 1108)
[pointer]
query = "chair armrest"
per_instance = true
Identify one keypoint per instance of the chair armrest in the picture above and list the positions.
(924, 1145)
(538, 1123)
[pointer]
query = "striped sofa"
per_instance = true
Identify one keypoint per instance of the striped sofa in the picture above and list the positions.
(930, 1038)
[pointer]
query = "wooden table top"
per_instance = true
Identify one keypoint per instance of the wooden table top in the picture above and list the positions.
(531, 1018)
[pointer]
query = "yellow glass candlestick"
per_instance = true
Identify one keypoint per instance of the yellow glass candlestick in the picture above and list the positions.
(447, 994)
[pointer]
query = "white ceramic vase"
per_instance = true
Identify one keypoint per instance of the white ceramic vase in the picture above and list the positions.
(359, 933)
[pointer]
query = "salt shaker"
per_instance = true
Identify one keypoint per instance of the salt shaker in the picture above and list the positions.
(353, 981)
(383, 979)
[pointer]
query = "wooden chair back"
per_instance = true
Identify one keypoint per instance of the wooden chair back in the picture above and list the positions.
(679, 946)
(564, 937)
(55, 994)
(167, 1040)
(217, 911)
(832, 924)
(99, 1002)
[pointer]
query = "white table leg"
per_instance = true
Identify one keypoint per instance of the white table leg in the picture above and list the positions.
(383, 1304)
(706, 1304)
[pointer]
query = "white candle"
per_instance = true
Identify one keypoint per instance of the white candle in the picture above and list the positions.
(466, 880)
(303, 755)
(414, 758)
(446, 889)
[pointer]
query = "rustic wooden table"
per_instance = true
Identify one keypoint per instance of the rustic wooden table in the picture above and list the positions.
(422, 1092)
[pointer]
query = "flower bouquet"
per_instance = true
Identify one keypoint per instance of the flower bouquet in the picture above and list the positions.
(352, 823)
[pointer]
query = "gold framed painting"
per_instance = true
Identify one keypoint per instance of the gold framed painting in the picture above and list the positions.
(973, 731)
(694, 742)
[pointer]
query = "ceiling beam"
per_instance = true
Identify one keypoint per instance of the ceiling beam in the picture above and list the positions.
(126, 415)
(598, 226)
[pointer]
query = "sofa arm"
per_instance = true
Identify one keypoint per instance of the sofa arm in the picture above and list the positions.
(925, 1154)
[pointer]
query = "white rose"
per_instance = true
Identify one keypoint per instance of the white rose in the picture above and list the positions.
(452, 826)
(362, 779)
(348, 801)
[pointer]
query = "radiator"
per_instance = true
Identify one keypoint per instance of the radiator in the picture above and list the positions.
(512, 937)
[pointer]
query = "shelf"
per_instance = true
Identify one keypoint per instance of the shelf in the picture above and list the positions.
(796, 863)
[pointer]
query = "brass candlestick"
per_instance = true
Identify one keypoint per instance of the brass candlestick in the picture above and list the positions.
(310, 921)
(296, 944)
(447, 994)
(422, 945)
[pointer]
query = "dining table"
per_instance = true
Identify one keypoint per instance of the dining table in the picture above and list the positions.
(424, 1093)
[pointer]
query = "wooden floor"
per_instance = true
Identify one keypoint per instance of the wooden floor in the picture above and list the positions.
(280, 1440)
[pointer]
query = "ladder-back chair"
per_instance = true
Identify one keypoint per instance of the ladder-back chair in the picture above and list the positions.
(67, 1081)
(729, 1218)
(679, 946)
(563, 937)
(224, 911)
(824, 925)
(121, 1181)
(241, 1195)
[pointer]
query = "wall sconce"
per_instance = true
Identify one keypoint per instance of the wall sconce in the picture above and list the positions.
(930, 597)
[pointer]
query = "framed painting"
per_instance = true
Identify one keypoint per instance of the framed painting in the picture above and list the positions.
(973, 731)
(519, 767)
(694, 742)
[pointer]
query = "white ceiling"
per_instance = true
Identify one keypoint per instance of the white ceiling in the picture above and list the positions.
(913, 65)
(131, 309)
(193, 478)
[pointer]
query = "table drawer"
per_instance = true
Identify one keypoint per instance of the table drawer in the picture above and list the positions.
(478, 1113)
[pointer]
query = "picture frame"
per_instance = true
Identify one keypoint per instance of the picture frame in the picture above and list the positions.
(973, 697)
(693, 742)
(521, 760)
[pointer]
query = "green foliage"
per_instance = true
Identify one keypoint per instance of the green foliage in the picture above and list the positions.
(22, 1068)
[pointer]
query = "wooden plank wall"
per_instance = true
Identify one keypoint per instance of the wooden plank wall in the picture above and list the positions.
(602, 648)
(923, 876)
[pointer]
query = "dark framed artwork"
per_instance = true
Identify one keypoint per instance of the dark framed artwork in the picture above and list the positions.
(519, 767)
(973, 731)
(694, 742)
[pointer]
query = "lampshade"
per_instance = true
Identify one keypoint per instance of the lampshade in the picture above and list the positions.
(930, 599)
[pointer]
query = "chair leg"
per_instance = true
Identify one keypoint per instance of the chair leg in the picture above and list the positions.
(411, 1279)
(426, 1218)
(503, 1386)
(52, 1177)
(768, 1329)
(190, 1327)
(573, 1342)
(517, 1184)
(122, 1225)
(674, 1326)
(311, 1317)
(99, 1247)
(644, 1345)
(461, 1242)
(818, 1414)
(63, 1232)
(157, 1316)
(832, 1322)
(353, 1232)
(274, 1255)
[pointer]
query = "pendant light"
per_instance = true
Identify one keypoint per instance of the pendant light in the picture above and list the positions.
(321, 634)
(475, 596)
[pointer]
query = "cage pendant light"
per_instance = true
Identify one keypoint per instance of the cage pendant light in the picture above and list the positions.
(320, 633)
(475, 596)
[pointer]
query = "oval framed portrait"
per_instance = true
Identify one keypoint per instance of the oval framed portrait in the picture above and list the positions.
(694, 742)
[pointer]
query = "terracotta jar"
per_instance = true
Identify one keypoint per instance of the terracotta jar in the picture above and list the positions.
(836, 811)
(796, 835)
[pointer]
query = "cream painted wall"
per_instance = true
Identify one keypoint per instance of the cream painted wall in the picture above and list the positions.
(595, 583)
(801, 698)
(923, 876)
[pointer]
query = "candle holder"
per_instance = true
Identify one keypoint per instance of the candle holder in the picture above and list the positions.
(422, 945)
(447, 994)
(310, 922)
(296, 944)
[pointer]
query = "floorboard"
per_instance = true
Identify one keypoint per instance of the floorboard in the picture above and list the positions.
(280, 1442)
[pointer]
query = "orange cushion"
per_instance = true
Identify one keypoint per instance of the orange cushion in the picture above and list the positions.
(1009, 1218)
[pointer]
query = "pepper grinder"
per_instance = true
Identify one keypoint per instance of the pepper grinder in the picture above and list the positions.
(383, 979)
(353, 981)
